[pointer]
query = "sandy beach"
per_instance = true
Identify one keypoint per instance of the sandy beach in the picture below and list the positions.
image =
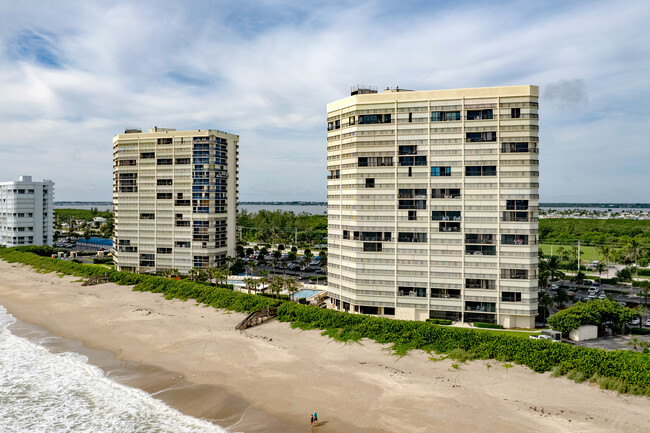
(270, 378)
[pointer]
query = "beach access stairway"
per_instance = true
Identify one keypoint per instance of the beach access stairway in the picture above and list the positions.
(100, 279)
(257, 317)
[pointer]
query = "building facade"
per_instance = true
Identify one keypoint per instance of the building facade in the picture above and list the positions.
(433, 204)
(174, 198)
(26, 212)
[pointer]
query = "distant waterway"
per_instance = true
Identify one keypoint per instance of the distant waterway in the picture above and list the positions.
(297, 209)
(251, 208)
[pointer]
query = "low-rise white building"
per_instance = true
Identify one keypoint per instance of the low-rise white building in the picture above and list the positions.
(26, 212)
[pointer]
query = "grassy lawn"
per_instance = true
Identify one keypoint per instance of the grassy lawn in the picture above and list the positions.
(589, 254)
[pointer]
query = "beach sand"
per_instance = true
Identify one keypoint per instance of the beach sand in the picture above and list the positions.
(270, 378)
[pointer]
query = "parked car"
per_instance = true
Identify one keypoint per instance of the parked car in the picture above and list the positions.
(602, 296)
(555, 286)
(636, 321)
(647, 322)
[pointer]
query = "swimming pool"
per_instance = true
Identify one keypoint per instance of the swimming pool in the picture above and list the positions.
(236, 282)
(306, 293)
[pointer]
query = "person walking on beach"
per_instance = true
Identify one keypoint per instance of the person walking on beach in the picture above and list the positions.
(312, 420)
(315, 417)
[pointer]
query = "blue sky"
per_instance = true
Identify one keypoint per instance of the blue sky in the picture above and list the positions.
(74, 74)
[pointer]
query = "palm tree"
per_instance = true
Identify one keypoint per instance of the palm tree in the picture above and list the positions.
(544, 301)
(291, 285)
(277, 282)
(600, 267)
(605, 252)
(633, 251)
(561, 297)
(251, 283)
(551, 269)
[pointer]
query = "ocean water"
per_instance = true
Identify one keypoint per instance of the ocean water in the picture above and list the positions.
(45, 392)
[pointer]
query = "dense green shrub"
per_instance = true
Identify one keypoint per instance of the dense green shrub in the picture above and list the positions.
(488, 325)
(622, 370)
(102, 260)
(440, 321)
(640, 331)
(597, 312)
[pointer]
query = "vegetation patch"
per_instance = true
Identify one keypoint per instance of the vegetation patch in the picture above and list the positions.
(622, 370)
(487, 325)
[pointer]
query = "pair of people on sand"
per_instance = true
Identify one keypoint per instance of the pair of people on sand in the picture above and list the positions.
(314, 418)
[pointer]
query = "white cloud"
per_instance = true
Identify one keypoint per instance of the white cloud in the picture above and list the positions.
(267, 70)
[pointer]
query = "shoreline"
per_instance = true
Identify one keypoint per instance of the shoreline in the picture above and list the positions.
(273, 376)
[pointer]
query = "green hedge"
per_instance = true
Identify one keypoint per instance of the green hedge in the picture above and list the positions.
(640, 331)
(630, 370)
(440, 321)
(487, 325)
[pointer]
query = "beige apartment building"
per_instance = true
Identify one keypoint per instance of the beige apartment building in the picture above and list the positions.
(433, 204)
(174, 198)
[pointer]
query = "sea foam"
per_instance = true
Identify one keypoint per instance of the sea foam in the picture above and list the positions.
(45, 392)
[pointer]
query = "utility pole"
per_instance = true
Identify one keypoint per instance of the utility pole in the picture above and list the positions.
(578, 255)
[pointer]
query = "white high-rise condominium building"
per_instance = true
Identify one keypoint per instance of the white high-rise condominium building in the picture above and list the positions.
(26, 212)
(175, 199)
(433, 204)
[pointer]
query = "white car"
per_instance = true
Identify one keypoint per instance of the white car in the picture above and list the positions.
(647, 322)
(602, 296)
(592, 290)
(636, 321)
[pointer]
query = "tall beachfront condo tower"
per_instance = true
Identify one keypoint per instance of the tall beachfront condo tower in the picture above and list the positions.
(433, 204)
(26, 212)
(175, 199)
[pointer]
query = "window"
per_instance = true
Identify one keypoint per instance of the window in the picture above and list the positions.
(481, 170)
(375, 161)
(165, 140)
(370, 183)
(510, 297)
(519, 217)
(413, 216)
(474, 283)
(163, 182)
(445, 116)
(411, 237)
(479, 114)
(163, 250)
(126, 162)
(351, 120)
(165, 161)
(408, 150)
(440, 171)
(408, 161)
(411, 193)
(476, 137)
(374, 236)
(412, 204)
(182, 160)
(368, 119)
(517, 204)
(445, 293)
(147, 155)
(372, 247)
(514, 274)
(182, 223)
(164, 195)
(516, 148)
(473, 238)
(445, 215)
(515, 113)
(147, 216)
(182, 244)
(514, 239)
(416, 292)
(410, 117)
(445, 193)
